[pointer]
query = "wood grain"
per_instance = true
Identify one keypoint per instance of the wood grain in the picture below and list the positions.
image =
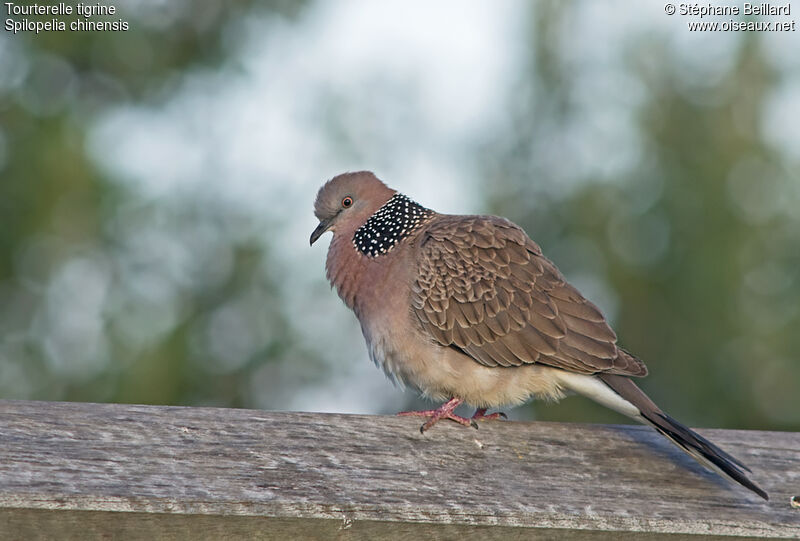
(72, 470)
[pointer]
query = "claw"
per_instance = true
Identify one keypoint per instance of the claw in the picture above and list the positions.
(480, 414)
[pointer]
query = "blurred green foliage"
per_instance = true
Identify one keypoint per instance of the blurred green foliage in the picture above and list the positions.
(695, 240)
(688, 245)
(57, 207)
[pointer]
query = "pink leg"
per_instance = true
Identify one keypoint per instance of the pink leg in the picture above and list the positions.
(445, 411)
(480, 414)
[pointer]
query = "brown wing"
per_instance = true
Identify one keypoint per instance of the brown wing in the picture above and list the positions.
(485, 288)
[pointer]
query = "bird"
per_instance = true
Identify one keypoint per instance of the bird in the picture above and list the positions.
(467, 309)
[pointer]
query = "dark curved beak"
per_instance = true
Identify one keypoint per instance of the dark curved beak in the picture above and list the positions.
(321, 228)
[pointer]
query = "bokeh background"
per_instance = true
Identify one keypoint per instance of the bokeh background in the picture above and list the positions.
(156, 191)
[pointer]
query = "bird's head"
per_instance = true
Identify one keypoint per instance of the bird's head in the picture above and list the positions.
(346, 201)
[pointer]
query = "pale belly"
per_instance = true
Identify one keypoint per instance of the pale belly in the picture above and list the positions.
(410, 359)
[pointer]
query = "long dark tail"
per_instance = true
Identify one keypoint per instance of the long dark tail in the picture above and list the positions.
(702, 450)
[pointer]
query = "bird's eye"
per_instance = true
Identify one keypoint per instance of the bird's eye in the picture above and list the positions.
(347, 201)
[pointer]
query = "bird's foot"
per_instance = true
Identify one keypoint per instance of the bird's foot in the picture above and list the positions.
(480, 415)
(445, 411)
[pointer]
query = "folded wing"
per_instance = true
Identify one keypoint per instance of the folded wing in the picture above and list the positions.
(485, 288)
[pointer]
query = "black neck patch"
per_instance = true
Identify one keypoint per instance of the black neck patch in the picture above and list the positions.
(390, 224)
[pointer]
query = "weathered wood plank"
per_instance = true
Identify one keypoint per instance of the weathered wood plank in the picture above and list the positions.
(127, 471)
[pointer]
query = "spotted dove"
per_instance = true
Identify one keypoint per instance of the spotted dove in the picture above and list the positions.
(467, 309)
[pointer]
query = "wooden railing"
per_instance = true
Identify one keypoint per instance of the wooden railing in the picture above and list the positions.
(110, 471)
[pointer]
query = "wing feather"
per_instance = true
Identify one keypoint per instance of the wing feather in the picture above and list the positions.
(484, 287)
